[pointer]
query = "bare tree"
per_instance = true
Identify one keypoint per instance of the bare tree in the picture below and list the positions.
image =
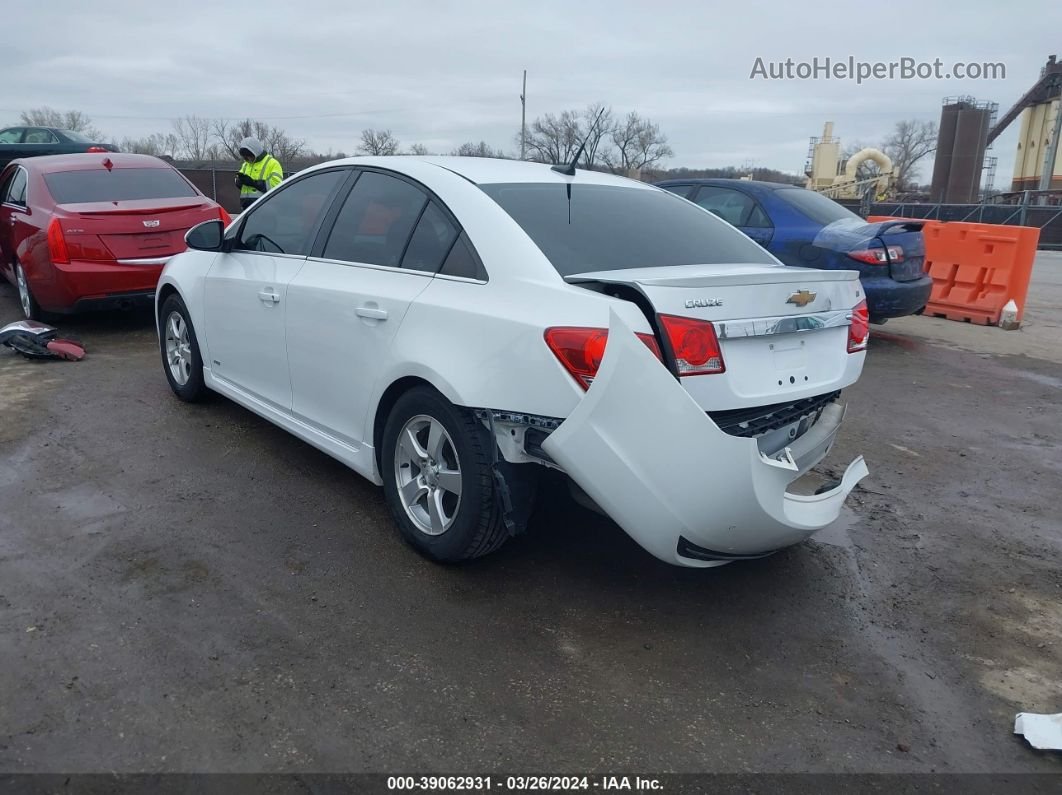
(597, 137)
(638, 144)
(553, 139)
(418, 149)
(909, 143)
(156, 144)
(73, 120)
(378, 142)
(276, 141)
(193, 137)
(481, 149)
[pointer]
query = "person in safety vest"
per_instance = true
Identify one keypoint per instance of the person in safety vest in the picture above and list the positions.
(260, 172)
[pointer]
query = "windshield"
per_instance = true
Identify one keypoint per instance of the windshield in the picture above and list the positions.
(120, 184)
(614, 227)
(76, 137)
(816, 206)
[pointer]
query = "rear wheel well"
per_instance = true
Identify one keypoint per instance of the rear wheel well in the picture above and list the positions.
(387, 402)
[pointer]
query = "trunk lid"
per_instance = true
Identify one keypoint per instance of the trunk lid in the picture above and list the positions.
(783, 331)
(138, 229)
(848, 236)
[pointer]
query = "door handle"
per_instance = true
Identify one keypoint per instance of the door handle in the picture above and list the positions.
(370, 312)
(269, 297)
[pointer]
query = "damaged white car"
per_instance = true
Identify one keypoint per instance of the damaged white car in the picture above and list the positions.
(450, 327)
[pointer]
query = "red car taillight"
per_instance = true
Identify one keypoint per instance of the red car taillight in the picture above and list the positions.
(581, 350)
(695, 345)
(96, 149)
(226, 219)
(859, 330)
(876, 256)
(57, 243)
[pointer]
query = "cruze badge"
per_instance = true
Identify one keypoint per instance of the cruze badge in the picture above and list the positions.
(151, 224)
(801, 297)
(696, 302)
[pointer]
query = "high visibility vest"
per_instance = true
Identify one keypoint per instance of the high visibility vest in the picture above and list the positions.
(267, 169)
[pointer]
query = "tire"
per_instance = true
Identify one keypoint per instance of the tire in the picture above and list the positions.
(181, 360)
(464, 526)
(30, 308)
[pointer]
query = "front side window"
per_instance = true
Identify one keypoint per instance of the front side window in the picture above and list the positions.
(678, 190)
(613, 227)
(117, 185)
(285, 220)
(12, 135)
(376, 221)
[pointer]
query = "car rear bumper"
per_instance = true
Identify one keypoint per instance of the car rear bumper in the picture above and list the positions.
(646, 453)
(889, 298)
(79, 285)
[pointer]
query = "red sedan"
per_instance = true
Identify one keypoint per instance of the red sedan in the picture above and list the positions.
(93, 231)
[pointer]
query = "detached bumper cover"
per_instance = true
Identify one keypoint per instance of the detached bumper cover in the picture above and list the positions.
(651, 458)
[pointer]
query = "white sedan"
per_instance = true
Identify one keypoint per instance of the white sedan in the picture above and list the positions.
(451, 327)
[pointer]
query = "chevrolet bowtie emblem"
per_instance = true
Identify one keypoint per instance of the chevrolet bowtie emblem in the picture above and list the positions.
(801, 298)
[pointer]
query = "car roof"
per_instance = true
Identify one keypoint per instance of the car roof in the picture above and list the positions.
(491, 170)
(49, 164)
(723, 182)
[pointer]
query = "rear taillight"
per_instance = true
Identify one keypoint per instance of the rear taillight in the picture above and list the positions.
(96, 149)
(695, 345)
(581, 350)
(859, 330)
(876, 256)
(57, 243)
(226, 219)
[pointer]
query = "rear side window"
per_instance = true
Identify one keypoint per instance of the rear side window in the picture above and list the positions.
(816, 206)
(40, 137)
(376, 221)
(612, 227)
(431, 241)
(732, 206)
(15, 192)
(117, 185)
(76, 137)
(462, 261)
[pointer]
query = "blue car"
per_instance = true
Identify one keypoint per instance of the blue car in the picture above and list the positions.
(805, 228)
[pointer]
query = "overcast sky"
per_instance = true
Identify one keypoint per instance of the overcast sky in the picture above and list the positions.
(440, 73)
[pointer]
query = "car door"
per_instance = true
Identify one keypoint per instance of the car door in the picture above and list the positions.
(13, 212)
(738, 209)
(344, 307)
(246, 287)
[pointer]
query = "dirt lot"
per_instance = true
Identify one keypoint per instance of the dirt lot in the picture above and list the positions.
(187, 588)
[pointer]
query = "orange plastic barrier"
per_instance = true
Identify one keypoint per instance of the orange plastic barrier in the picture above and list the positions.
(976, 268)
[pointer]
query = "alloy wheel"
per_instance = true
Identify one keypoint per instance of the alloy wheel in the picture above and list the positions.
(428, 474)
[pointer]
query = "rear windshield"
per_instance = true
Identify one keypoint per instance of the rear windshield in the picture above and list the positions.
(614, 227)
(76, 137)
(117, 185)
(816, 206)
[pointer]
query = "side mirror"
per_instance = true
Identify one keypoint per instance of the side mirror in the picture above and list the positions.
(207, 236)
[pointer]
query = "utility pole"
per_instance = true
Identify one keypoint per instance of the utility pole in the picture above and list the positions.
(523, 119)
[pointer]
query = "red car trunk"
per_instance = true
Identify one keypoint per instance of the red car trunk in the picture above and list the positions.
(131, 229)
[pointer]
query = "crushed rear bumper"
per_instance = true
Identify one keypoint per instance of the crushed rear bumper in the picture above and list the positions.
(687, 492)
